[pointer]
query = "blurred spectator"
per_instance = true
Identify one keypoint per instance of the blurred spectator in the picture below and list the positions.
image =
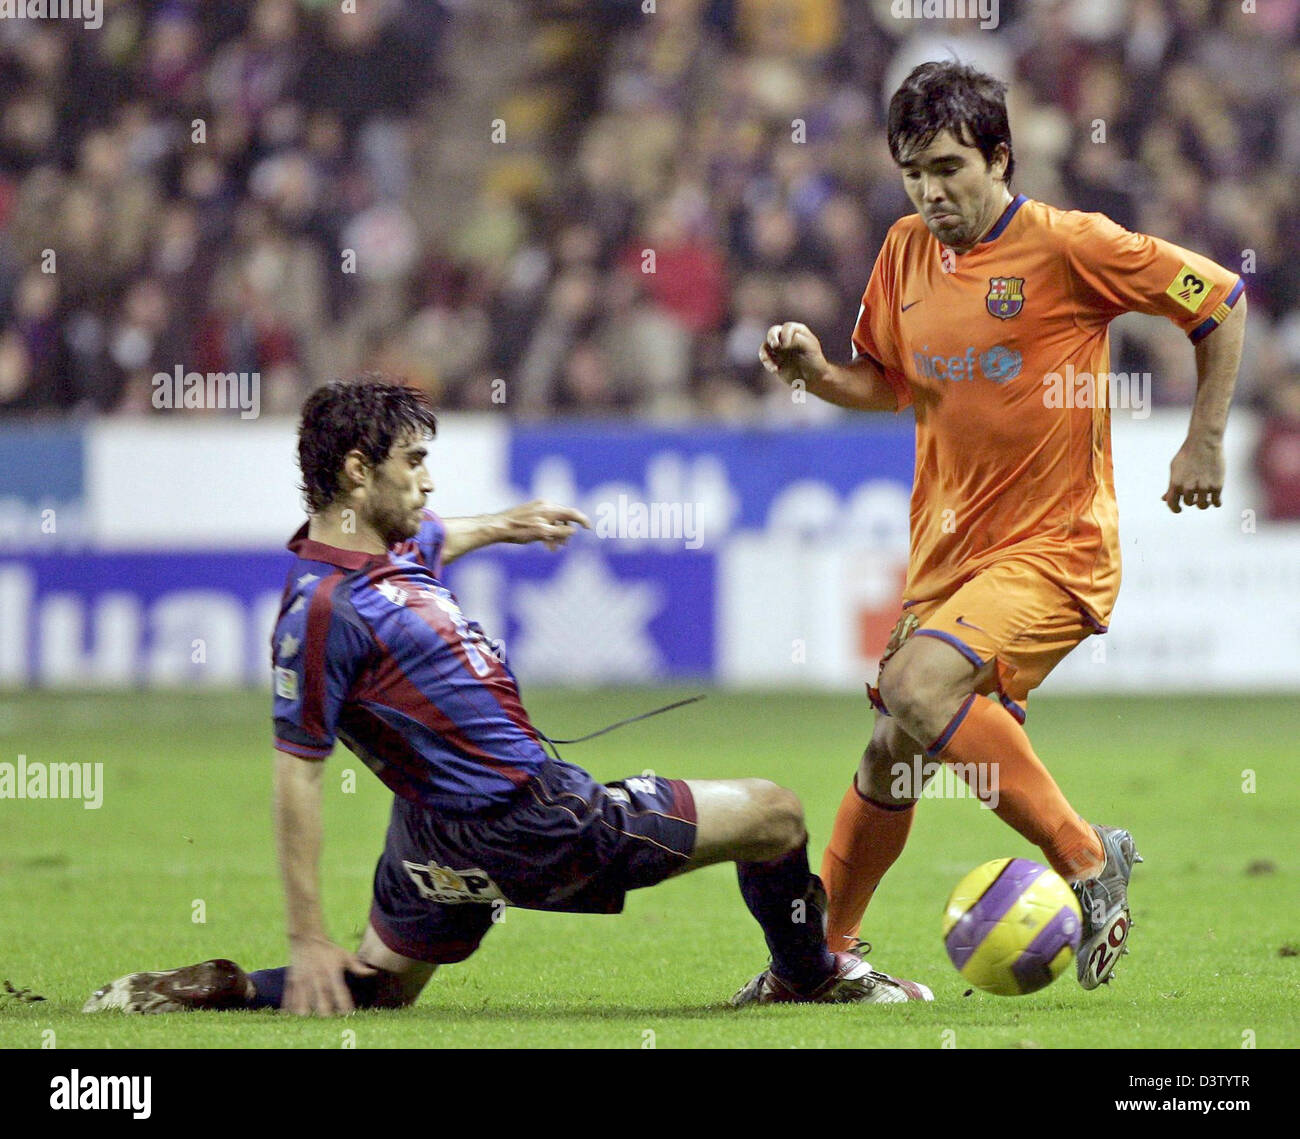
(1277, 457)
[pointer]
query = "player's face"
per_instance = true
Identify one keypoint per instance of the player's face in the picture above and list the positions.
(397, 491)
(958, 195)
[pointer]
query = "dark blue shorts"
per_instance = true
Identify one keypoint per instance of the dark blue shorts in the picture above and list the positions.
(565, 843)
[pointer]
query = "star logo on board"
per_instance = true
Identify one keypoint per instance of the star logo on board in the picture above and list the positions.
(288, 646)
(585, 624)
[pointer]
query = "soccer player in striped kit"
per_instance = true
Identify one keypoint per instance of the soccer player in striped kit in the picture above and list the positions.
(372, 649)
(987, 314)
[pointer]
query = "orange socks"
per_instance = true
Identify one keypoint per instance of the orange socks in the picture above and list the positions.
(1027, 797)
(866, 840)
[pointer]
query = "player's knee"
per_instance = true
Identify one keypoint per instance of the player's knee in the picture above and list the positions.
(911, 686)
(780, 823)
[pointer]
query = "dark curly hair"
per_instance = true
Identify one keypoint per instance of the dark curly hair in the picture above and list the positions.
(368, 414)
(948, 95)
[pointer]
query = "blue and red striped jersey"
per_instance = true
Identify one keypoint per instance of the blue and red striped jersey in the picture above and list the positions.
(374, 650)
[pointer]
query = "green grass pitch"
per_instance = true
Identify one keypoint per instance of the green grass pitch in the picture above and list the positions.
(185, 831)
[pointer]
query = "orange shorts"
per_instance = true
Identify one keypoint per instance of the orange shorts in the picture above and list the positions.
(1009, 613)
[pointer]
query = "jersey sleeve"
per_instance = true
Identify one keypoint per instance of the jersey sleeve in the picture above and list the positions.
(1121, 271)
(316, 655)
(874, 334)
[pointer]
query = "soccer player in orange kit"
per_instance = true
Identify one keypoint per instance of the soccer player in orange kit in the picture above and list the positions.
(976, 311)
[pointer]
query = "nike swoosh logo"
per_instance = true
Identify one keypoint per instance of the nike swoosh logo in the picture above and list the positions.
(908, 306)
(968, 625)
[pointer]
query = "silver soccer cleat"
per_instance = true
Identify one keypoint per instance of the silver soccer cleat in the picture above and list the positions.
(1104, 902)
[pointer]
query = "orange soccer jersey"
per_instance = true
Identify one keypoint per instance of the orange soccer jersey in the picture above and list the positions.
(1004, 354)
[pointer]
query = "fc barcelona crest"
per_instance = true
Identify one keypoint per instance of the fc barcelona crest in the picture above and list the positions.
(1006, 296)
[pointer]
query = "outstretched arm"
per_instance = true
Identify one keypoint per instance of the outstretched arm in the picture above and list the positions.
(1196, 474)
(536, 521)
(315, 983)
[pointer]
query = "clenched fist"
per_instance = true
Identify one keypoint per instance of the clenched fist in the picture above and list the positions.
(793, 353)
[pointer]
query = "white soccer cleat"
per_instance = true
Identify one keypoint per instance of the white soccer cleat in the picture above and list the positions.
(853, 982)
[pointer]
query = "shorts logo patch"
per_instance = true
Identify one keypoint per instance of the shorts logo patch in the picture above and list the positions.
(1189, 289)
(286, 683)
(908, 623)
(1006, 296)
(452, 887)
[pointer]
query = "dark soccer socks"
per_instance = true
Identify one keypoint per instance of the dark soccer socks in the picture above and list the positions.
(789, 903)
(367, 992)
(269, 984)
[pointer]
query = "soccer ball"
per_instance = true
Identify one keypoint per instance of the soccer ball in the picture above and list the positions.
(1012, 926)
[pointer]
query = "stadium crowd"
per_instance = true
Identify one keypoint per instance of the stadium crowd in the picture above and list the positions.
(600, 205)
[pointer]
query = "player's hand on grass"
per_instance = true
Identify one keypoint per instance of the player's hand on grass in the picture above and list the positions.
(315, 984)
(541, 521)
(1195, 476)
(792, 352)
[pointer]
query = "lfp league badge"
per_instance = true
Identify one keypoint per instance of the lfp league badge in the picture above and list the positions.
(1006, 296)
